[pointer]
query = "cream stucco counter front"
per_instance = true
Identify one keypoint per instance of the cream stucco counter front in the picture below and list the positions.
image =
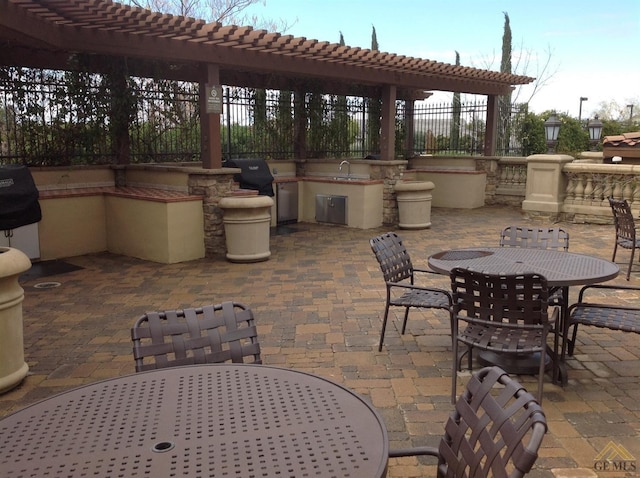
(364, 199)
(151, 224)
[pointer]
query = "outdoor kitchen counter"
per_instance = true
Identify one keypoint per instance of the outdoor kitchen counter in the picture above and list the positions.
(159, 225)
(342, 180)
(364, 199)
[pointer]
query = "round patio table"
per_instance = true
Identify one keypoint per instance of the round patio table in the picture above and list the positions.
(560, 268)
(222, 420)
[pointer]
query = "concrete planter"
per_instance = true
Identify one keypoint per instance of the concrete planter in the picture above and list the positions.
(13, 368)
(246, 226)
(414, 204)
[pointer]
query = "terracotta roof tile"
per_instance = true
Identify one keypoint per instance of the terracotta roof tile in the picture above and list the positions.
(629, 140)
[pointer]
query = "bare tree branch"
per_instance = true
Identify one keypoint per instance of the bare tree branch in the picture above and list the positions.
(229, 12)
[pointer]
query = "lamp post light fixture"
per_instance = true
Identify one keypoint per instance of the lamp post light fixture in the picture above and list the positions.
(595, 131)
(551, 129)
(582, 98)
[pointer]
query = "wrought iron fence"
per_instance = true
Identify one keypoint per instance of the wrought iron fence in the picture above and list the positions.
(61, 118)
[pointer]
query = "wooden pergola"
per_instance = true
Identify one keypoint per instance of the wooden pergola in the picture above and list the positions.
(51, 33)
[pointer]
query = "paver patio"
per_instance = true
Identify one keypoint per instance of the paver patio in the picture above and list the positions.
(318, 304)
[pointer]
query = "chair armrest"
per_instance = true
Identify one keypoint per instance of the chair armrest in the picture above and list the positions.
(427, 271)
(605, 287)
(391, 285)
(422, 450)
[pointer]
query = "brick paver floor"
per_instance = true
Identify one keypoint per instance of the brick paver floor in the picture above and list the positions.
(318, 302)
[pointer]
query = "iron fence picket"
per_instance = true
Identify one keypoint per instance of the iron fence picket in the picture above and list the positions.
(53, 118)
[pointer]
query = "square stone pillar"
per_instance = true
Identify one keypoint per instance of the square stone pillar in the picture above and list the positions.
(546, 185)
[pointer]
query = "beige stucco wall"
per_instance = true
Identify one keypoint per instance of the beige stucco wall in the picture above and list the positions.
(72, 226)
(456, 189)
(158, 178)
(364, 200)
(73, 177)
(331, 168)
(155, 231)
(282, 168)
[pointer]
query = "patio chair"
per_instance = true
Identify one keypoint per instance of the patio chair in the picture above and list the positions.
(210, 334)
(495, 430)
(503, 314)
(535, 238)
(625, 229)
(539, 238)
(600, 312)
(555, 238)
(399, 277)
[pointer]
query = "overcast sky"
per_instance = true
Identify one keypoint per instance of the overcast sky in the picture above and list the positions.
(592, 45)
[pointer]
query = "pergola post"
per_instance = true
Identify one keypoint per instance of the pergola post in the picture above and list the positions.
(388, 123)
(491, 127)
(210, 136)
(409, 127)
(299, 125)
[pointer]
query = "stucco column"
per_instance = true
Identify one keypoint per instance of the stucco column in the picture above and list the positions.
(546, 185)
(13, 368)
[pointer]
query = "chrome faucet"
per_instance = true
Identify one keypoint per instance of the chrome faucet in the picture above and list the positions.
(348, 167)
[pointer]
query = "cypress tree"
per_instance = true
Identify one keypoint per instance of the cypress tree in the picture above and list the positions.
(504, 102)
(374, 107)
(455, 121)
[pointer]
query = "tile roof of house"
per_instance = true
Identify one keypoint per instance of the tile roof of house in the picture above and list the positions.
(631, 140)
(108, 28)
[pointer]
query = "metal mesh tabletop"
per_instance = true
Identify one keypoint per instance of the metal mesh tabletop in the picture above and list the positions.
(214, 420)
(560, 268)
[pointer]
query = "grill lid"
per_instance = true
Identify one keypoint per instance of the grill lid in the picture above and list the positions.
(18, 197)
(255, 174)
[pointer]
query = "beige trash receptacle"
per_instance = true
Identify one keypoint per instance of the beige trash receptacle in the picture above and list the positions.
(414, 204)
(247, 220)
(13, 368)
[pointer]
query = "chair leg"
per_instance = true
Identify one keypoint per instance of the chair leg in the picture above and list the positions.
(633, 250)
(454, 371)
(555, 372)
(543, 359)
(384, 326)
(572, 343)
(404, 322)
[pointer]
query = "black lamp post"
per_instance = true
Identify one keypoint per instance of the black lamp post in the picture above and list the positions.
(551, 129)
(595, 131)
(582, 98)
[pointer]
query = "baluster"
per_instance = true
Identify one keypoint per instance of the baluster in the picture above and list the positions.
(514, 175)
(588, 191)
(579, 190)
(607, 191)
(503, 174)
(598, 188)
(636, 191)
(571, 189)
(617, 187)
(627, 191)
(522, 175)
